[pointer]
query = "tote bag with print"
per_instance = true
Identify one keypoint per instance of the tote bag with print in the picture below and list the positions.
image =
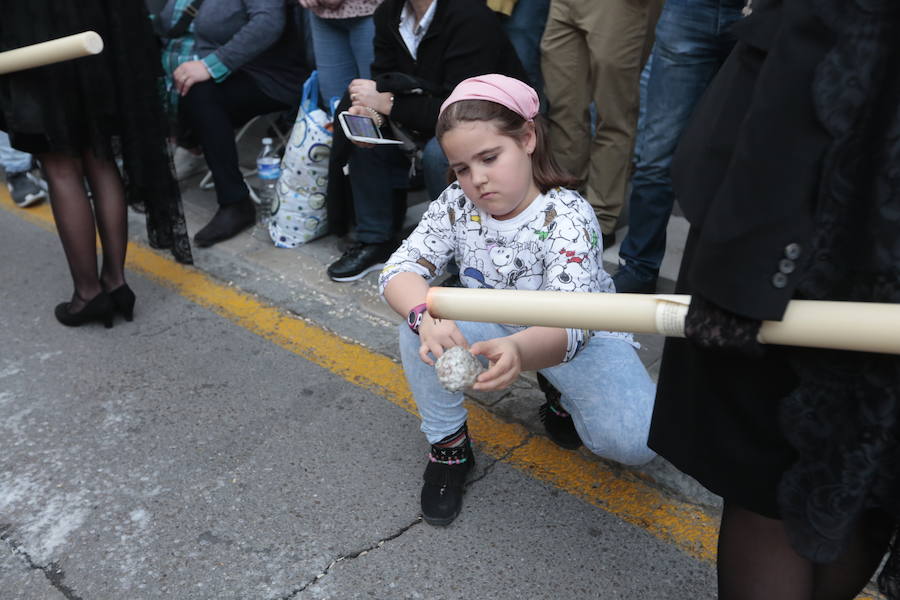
(298, 215)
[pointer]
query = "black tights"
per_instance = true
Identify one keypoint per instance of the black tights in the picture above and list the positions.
(757, 562)
(75, 220)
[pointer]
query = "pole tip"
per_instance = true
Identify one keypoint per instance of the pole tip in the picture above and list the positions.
(93, 43)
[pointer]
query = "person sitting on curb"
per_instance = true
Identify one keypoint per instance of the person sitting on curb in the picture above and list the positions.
(249, 62)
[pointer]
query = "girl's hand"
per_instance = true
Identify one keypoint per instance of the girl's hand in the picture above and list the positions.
(437, 336)
(505, 358)
(189, 73)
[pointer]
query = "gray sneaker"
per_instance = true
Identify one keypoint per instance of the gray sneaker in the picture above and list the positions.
(26, 189)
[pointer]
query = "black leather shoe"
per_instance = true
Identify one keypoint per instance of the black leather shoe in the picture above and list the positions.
(100, 308)
(123, 301)
(228, 221)
(445, 484)
(629, 282)
(557, 422)
(359, 260)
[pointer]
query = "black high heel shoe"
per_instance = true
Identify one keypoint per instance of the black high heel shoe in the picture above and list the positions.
(100, 308)
(123, 301)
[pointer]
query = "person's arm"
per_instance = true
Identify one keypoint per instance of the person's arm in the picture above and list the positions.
(385, 43)
(572, 259)
(405, 291)
(266, 20)
(528, 350)
(420, 258)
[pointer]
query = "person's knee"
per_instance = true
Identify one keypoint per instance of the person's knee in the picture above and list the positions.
(632, 453)
(62, 169)
(199, 97)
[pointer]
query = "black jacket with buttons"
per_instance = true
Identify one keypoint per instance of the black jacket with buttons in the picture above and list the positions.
(748, 165)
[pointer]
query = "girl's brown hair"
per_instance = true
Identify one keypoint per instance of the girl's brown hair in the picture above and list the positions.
(545, 170)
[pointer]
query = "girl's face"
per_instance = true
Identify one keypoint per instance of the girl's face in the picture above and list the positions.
(493, 170)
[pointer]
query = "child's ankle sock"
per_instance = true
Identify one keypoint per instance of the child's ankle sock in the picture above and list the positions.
(557, 409)
(452, 450)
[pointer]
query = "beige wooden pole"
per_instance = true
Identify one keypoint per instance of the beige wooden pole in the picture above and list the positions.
(54, 51)
(862, 326)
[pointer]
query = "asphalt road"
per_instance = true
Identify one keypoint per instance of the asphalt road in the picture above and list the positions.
(183, 456)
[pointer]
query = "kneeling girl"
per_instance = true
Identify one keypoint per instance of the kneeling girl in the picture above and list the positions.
(510, 222)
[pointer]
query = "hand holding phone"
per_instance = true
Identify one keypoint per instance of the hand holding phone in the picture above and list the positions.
(361, 128)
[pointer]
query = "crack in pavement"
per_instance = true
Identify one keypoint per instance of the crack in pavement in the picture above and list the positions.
(351, 556)
(52, 572)
(487, 470)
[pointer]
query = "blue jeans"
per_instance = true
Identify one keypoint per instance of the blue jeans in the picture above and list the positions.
(11, 159)
(374, 175)
(525, 26)
(344, 52)
(605, 388)
(692, 42)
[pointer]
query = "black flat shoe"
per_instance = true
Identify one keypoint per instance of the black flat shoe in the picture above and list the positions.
(228, 221)
(123, 301)
(445, 484)
(100, 308)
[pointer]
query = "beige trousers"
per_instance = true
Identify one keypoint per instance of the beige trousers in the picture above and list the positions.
(594, 50)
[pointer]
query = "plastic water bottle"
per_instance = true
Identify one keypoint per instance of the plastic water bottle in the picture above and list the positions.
(268, 169)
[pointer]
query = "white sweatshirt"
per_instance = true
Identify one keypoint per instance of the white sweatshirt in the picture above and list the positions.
(554, 244)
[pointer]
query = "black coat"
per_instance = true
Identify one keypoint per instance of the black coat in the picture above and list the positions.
(747, 167)
(788, 174)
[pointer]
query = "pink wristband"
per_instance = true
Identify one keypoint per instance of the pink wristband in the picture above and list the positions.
(414, 318)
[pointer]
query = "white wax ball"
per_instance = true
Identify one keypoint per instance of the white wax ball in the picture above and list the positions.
(457, 369)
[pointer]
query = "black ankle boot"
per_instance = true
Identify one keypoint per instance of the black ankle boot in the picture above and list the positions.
(100, 308)
(557, 422)
(445, 480)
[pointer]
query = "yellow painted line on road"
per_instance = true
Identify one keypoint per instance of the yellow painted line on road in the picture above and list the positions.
(622, 494)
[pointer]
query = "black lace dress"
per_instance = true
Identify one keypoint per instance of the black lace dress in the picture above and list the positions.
(109, 104)
(811, 437)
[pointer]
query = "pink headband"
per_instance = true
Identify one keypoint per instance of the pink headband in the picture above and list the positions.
(506, 91)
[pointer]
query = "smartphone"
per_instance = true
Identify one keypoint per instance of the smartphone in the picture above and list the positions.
(360, 128)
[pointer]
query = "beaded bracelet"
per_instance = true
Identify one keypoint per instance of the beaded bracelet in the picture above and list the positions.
(376, 116)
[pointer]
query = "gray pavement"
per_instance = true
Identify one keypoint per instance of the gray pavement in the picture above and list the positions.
(181, 456)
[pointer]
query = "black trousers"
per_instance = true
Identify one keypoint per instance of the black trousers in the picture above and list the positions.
(212, 111)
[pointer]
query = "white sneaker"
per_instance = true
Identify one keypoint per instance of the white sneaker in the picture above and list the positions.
(187, 163)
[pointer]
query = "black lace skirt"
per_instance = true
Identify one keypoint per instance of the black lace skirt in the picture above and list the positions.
(108, 104)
